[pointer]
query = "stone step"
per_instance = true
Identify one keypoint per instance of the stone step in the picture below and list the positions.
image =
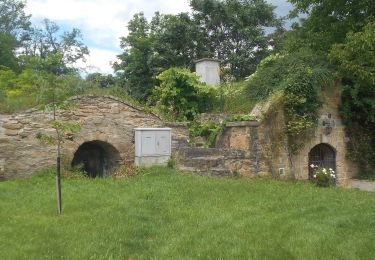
(191, 152)
(200, 152)
(216, 171)
(203, 162)
(209, 161)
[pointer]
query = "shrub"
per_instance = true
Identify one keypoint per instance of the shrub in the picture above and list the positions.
(180, 94)
(323, 177)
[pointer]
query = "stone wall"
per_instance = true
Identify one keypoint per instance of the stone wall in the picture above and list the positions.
(268, 146)
(247, 137)
(105, 119)
(248, 148)
(337, 139)
(215, 161)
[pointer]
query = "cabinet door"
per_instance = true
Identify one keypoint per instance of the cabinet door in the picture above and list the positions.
(148, 143)
(163, 142)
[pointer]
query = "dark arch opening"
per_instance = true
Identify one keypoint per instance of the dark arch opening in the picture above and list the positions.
(97, 158)
(322, 155)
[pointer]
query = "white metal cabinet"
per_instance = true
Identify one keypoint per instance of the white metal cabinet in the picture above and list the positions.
(152, 146)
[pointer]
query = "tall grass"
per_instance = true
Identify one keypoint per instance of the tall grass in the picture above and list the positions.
(18, 103)
(15, 104)
(232, 98)
(166, 214)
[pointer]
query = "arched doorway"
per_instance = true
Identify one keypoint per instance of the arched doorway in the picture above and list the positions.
(322, 155)
(97, 158)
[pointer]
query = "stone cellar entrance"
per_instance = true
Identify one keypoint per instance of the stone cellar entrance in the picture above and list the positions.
(322, 155)
(97, 158)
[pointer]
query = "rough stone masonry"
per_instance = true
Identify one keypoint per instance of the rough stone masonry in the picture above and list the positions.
(243, 148)
(105, 119)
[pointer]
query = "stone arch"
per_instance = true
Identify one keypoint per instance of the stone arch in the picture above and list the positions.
(98, 158)
(322, 155)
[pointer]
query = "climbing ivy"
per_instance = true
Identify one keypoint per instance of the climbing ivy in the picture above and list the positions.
(299, 77)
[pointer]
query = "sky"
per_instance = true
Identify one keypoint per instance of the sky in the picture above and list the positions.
(103, 22)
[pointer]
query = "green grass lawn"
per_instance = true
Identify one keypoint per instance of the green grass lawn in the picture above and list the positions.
(164, 214)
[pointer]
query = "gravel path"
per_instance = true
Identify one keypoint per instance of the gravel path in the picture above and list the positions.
(362, 185)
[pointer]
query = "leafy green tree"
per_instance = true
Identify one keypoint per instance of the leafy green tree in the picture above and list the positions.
(50, 50)
(230, 30)
(175, 40)
(61, 129)
(14, 29)
(135, 61)
(328, 22)
(234, 31)
(8, 45)
(101, 80)
(13, 19)
(355, 58)
(152, 47)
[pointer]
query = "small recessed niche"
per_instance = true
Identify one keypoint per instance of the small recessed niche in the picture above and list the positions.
(281, 171)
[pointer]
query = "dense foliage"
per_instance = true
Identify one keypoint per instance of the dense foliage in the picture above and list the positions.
(38, 64)
(232, 31)
(355, 58)
(180, 94)
(299, 77)
(334, 41)
(328, 22)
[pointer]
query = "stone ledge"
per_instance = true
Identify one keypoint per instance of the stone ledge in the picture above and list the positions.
(361, 184)
(243, 123)
(80, 97)
(176, 124)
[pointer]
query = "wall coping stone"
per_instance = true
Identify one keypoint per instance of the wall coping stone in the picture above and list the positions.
(243, 123)
(78, 97)
(176, 124)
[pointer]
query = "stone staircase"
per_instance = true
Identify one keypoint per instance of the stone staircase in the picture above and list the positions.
(212, 161)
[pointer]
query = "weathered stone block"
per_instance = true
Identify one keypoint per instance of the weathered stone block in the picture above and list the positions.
(12, 125)
(11, 132)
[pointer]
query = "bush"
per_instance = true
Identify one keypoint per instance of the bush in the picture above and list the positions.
(323, 177)
(180, 95)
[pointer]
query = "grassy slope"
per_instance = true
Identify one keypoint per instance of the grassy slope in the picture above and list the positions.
(165, 214)
(233, 99)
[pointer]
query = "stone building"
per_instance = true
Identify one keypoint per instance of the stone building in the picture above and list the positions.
(106, 140)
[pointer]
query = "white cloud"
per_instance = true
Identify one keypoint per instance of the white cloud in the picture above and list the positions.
(99, 61)
(102, 22)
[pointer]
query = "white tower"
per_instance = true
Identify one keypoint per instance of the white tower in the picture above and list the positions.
(208, 70)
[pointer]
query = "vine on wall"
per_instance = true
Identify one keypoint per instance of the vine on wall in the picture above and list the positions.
(299, 79)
